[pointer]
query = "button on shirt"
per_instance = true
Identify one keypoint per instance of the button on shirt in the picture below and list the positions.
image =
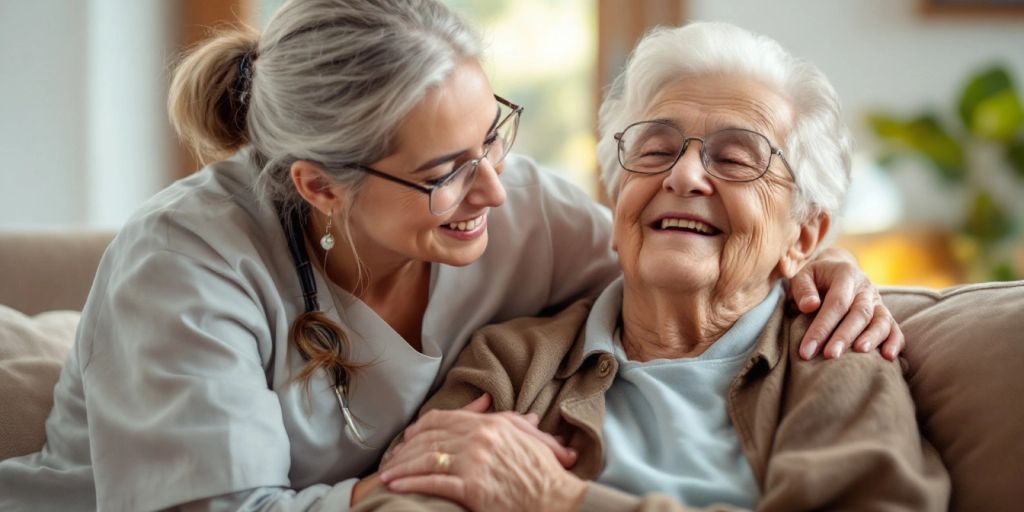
(667, 427)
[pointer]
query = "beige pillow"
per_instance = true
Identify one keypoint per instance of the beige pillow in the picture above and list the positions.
(32, 352)
(965, 349)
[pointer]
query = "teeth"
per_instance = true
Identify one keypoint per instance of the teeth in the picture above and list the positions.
(468, 225)
(693, 225)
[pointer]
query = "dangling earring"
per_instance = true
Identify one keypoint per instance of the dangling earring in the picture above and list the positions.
(327, 241)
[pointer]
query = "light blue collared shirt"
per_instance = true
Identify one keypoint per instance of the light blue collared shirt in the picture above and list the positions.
(667, 427)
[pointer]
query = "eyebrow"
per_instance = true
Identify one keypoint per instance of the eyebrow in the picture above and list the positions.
(452, 156)
(754, 127)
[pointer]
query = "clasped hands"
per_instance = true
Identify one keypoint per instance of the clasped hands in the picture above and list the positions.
(484, 461)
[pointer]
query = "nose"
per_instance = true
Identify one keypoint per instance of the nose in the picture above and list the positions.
(486, 189)
(688, 177)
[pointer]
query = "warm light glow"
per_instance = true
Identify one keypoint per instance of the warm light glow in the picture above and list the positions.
(907, 257)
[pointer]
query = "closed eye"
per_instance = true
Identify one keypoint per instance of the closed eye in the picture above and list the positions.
(490, 139)
(440, 180)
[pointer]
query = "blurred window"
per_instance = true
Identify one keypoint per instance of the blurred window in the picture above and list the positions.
(542, 54)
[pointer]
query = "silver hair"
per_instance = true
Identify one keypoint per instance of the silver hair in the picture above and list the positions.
(334, 78)
(819, 144)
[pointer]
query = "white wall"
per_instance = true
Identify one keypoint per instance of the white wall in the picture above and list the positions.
(885, 54)
(83, 135)
(42, 112)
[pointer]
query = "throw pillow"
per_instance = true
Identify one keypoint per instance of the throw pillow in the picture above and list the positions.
(32, 353)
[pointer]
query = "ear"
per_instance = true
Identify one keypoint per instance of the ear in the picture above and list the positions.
(810, 235)
(316, 187)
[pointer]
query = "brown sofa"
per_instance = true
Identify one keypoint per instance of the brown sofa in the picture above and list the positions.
(965, 360)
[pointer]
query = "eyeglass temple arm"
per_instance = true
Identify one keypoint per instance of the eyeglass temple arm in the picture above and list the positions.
(777, 151)
(400, 181)
(509, 104)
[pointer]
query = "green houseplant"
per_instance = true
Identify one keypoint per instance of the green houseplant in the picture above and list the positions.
(986, 139)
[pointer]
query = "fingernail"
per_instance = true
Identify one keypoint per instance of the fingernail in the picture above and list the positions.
(573, 453)
(385, 476)
(809, 349)
(863, 346)
(837, 350)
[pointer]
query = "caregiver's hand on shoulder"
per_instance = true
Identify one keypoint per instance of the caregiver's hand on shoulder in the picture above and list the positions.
(496, 461)
(852, 313)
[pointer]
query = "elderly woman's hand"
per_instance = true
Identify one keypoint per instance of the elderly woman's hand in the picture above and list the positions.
(852, 313)
(496, 461)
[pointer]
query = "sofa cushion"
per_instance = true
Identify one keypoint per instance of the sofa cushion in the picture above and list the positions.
(32, 352)
(965, 354)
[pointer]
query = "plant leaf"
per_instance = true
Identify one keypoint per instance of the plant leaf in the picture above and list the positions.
(1002, 271)
(986, 220)
(886, 126)
(1015, 155)
(925, 137)
(990, 107)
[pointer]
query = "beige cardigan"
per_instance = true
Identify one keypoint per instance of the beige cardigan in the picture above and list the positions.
(823, 434)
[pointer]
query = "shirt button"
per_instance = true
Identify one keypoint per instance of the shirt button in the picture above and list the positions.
(604, 367)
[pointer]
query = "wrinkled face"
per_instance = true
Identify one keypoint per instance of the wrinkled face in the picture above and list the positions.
(443, 131)
(686, 230)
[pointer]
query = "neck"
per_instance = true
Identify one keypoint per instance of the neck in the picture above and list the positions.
(663, 323)
(371, 276)
(396, 288)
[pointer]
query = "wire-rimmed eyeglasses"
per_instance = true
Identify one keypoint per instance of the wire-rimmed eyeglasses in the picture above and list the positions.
(732, 154)
(446, 192)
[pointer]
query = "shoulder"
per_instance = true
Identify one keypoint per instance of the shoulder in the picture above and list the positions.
(570, 318)
(211, 215)
(853, 373)
(852, 420)
(532, 190)
(512, 360)
(538, 337)
(558, 236)
(206, 235)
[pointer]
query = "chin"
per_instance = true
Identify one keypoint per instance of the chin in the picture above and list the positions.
(672, 273)
(467, 255)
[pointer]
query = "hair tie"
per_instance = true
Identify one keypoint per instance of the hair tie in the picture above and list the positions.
(245, 77)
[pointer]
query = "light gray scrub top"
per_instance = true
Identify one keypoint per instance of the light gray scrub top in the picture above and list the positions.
(179, 386)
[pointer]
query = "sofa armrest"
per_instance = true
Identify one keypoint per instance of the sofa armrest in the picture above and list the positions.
(44, 271)
(965, 355)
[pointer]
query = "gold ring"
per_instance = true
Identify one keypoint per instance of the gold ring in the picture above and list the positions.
(443, 460)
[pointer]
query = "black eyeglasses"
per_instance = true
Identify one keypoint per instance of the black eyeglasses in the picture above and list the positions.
(732, 154)
(448, 191)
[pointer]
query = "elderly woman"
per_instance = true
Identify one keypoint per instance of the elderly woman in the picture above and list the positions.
(727, 161)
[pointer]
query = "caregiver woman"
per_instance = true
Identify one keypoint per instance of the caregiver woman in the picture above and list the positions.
(260, 331)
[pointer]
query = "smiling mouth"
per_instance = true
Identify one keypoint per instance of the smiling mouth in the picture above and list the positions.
(687, 225)
(468, 225)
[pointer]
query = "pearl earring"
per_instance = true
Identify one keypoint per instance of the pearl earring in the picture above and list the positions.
(327, 241)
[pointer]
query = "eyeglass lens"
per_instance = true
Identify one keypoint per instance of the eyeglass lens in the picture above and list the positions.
(450, 193)
(730, 154)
